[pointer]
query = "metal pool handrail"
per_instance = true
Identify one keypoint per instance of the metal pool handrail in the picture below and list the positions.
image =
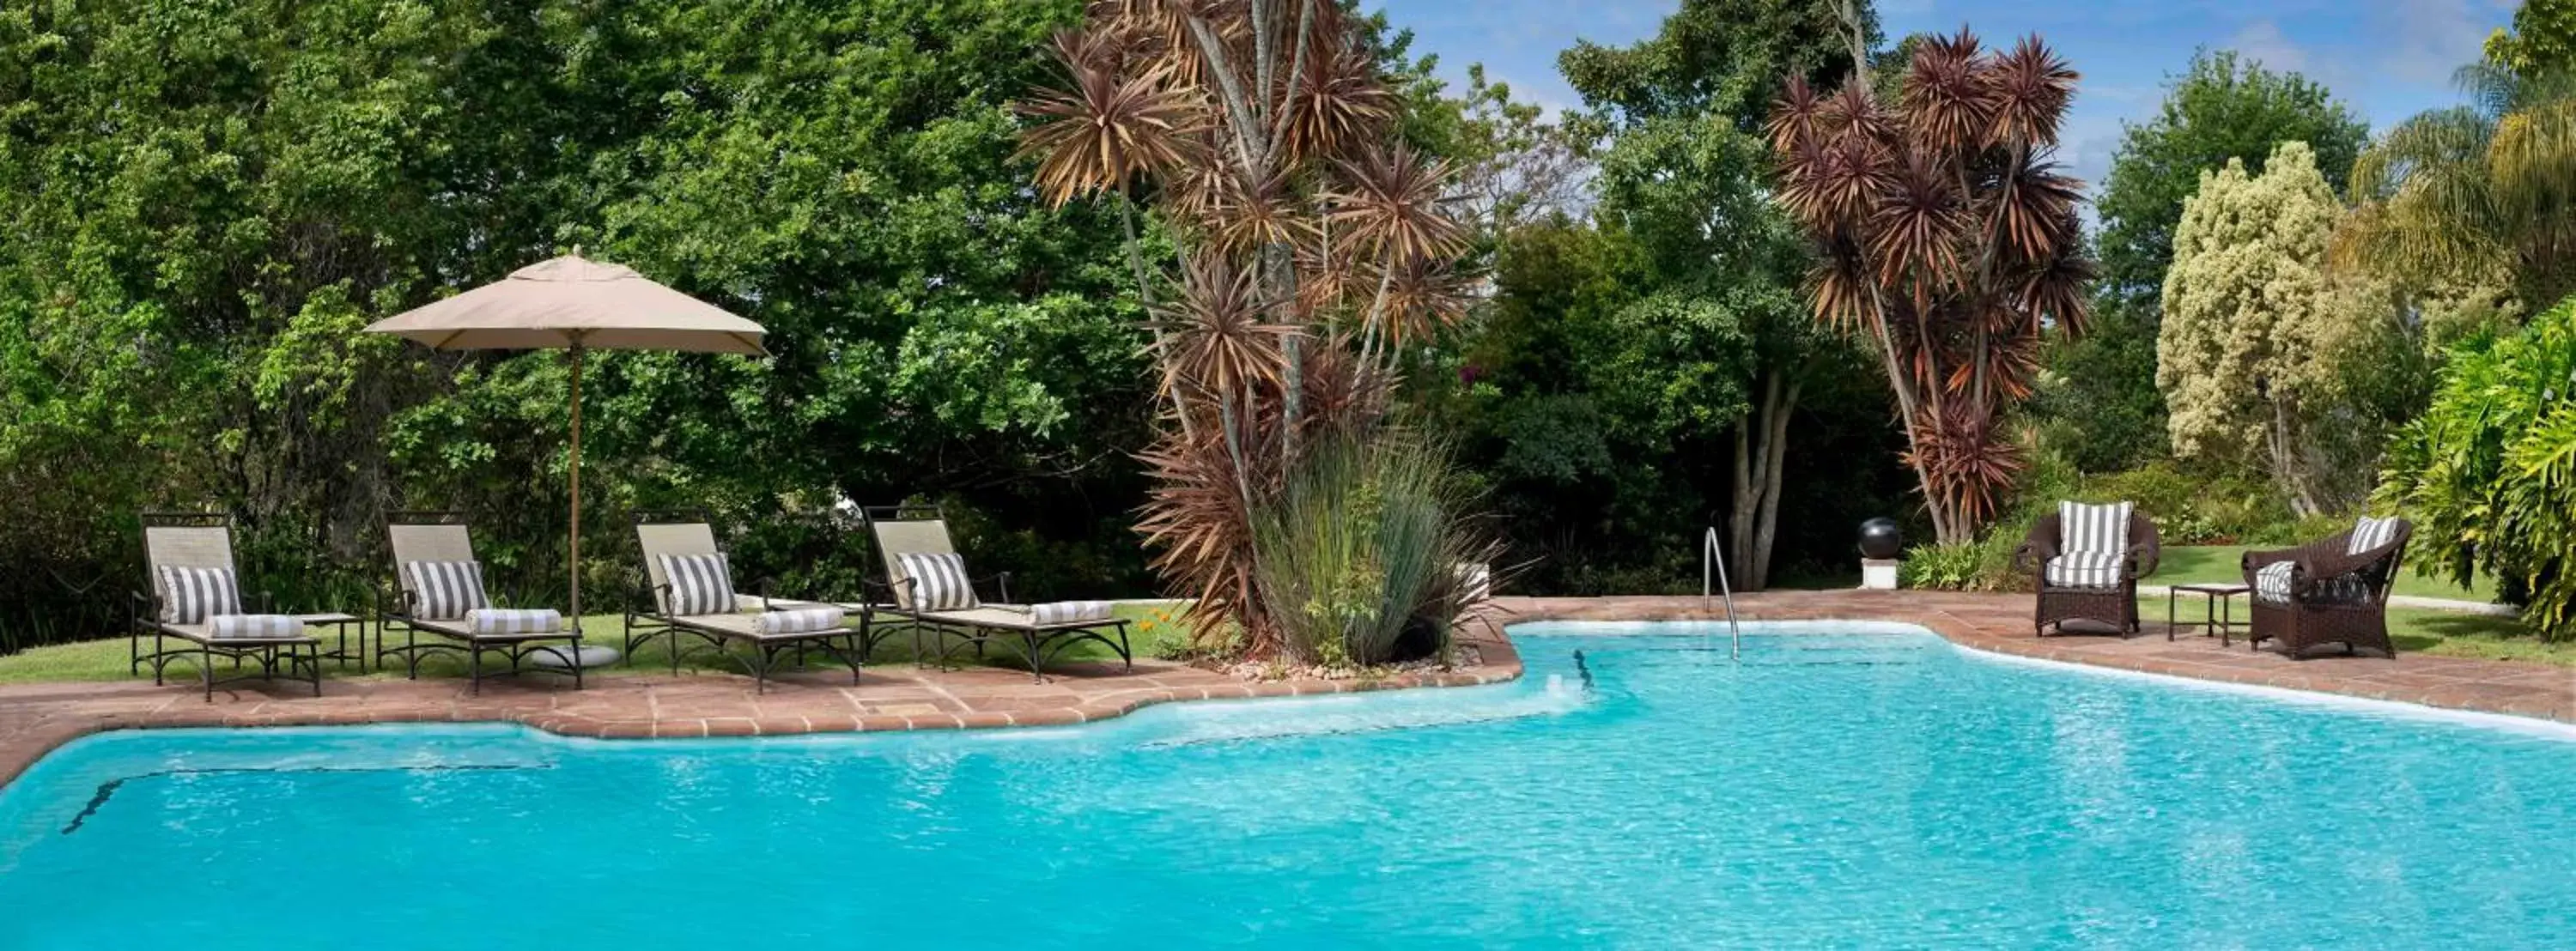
(1710, 555)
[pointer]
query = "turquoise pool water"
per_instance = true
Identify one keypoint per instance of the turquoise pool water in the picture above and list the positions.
(1855, 790)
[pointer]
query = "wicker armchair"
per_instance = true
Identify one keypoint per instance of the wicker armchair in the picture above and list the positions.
(2115, 604)
(2335, 595)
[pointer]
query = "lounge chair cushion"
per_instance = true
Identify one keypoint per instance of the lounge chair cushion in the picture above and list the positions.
(939, 581)
(2086, 569)
(697, 584)
(2272, 586)
(490, 622)
(1067, 612)
(2370, 533)
(2093, 528)
(800, 621)
(445, 590)
(230, 627)
(191, 595)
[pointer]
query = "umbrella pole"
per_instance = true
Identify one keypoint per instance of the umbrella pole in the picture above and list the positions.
(576, 485)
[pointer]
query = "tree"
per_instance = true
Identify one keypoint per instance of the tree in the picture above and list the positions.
(1313, 252)
(2542, 39)
(2257, 333)
(1947, 237)
(2455, 196)
(2220, 108)
(207, 201)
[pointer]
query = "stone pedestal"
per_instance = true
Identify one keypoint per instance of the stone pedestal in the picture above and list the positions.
(1878, 574)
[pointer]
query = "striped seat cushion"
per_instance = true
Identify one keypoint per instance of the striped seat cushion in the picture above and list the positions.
(191, 595)
(2272, 586)
(2086, 569)
(1068, 612)
(2371, 533)
(487, 622)
(445, 590)
(697, 584)
(227, 627)
(939, 582)
(800, 621)
(2272, 582)
(2093, 528)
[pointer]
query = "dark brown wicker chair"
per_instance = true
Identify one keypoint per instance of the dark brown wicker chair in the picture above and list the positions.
(2335, 597)
(2114, 605)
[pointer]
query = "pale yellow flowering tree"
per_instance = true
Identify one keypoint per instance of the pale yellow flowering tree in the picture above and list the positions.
(2257, 334)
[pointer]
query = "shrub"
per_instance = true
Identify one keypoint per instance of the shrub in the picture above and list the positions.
(1356, 556)
(2489, 472)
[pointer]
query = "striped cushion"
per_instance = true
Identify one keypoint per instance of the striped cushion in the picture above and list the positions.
(191, 595)
(1067, 612)
(485, 622)
(698, 584)
(2095, 528)
(445, 590)
(2272, 582)
(255, 626)
(939, 581)
(2086, 569)
(2371, 533)
(799, 621)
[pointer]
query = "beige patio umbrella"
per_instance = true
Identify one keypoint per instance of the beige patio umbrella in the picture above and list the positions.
(574, 304)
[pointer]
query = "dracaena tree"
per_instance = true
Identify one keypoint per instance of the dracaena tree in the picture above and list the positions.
(1312, 250)
(1946, 234)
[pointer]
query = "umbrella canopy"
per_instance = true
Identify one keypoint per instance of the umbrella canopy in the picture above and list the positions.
(570, 300)
(574, 304)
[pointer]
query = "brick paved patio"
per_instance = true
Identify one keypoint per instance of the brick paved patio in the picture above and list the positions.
(35, 718)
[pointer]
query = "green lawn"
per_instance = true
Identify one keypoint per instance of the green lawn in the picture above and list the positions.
(2187, 564)
(1158, 632)
(2416, 631)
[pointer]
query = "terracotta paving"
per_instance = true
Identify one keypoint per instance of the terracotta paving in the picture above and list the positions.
(35, 718)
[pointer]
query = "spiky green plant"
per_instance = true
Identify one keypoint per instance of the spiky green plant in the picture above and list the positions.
(2488, 473)
(1361, 545)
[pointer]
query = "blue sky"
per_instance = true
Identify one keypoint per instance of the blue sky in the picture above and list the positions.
(2387, 58)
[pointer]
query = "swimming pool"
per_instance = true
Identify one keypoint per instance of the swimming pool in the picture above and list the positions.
(1846, 789)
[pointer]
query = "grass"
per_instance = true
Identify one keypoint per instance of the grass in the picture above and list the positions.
(2416, 631)
(2189, 564)
(1158, 632)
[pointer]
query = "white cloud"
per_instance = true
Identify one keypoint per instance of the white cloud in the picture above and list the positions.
(2263, 41)
(2434, 37)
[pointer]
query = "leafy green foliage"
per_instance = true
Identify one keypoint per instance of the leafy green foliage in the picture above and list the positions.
(2219, 108)
(2489, 472)
(2541, 40)
(208, 200)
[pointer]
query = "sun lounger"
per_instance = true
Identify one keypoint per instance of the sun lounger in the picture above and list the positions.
(195, 598)
(438, 590)
(688, 590)
(926, 586)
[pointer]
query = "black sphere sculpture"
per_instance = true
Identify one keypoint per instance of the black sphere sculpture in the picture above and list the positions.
(1880, 540)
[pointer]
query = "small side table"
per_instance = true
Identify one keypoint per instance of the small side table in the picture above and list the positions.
(2218, 612)
(342, 622)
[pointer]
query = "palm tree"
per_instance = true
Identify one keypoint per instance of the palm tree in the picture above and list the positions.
(2467, 191)
(1944, 233)
(1313, 249)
